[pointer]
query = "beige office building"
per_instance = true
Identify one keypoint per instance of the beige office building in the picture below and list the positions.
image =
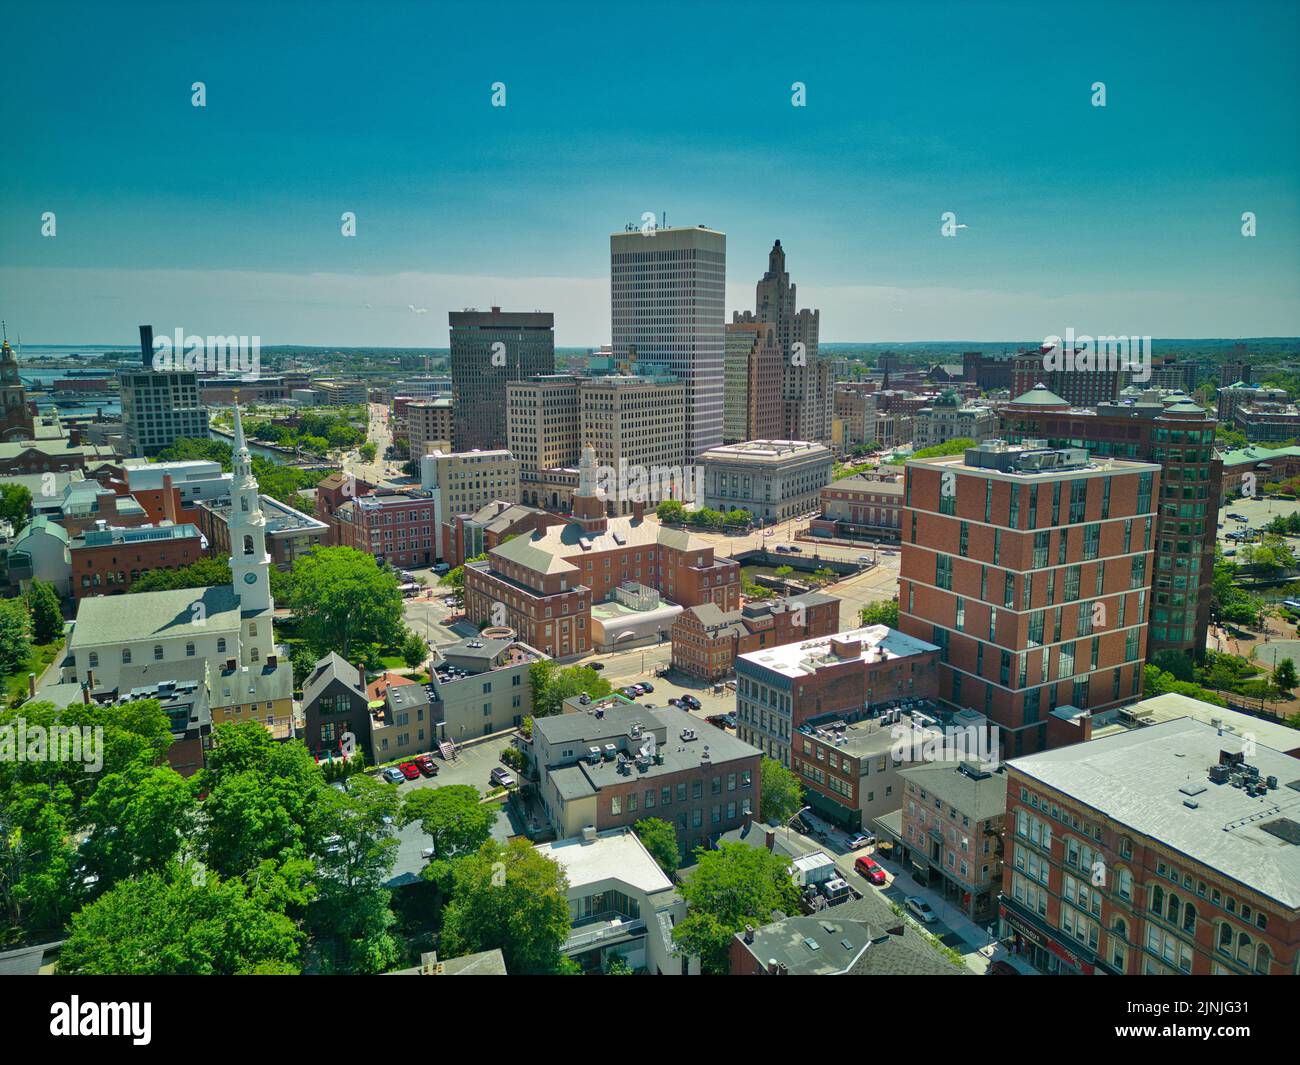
(543, 423)
(772, 479)
(637, 424)
(428, 425)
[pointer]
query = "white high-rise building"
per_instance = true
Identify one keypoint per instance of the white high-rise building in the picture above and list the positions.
(668, 295)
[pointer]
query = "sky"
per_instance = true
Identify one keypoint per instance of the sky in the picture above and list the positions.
(1123, 219)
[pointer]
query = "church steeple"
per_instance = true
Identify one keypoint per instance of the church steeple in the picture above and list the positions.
(588, 504)
(250, 564)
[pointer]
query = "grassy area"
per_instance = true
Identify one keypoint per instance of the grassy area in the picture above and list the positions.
(42, 654)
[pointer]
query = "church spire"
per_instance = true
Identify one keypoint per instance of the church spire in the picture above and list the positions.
(250, 565)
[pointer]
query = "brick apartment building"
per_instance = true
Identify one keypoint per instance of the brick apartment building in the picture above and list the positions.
(609, 763)
(544, 585)
(110, 561)
(1195, 842)
(844, 676)
(1031, 568)
(393, 527)
(706, 640)
(290, 534)
(332, 493)
(1149, 426)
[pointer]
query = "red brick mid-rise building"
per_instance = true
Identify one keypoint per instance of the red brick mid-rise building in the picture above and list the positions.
(707, 640)
(1031, 568)
(109, 561)
(395, 528)
(543, 585)
(332, 493)
(1169, 849)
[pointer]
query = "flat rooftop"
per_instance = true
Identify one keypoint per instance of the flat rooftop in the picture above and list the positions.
(766, 451)
(803, 659)
(1155, 781)
(1170, 706)
(615, 855)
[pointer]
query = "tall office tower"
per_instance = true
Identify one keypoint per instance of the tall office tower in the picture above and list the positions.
(159, 408)
(807, 383)
(1031, 568)
(668, 298)
(637, 424)
(489, 349)
(542, 423)
(1152, 426)
(752, 381)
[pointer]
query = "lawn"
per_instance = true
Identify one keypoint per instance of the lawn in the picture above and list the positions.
(42, 654)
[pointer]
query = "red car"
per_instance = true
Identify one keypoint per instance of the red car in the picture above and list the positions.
(427, 765)
(870, 870)
(409, 770)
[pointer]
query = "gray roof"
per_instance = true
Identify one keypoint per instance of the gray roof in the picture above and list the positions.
(1146, 779)
(485, 963)
(1039, 396)
(26, 961)
(978, 799)
(122, 619)
(331, 667)
(407, 696)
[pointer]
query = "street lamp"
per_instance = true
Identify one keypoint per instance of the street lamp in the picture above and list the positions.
(802, 809)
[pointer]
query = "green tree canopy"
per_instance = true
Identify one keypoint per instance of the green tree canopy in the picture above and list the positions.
(47, 614)
(782, 792)
(882, 613)
(660, 839)
(345, 602)
(454, 817)
(552, 684)
(509, 897)
(15, 505)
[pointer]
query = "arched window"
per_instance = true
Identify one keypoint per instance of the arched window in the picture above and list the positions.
(1244, 945)
(1225, 938)
(243, 504)
(1124, 883)
(1189, 918)
(1262, 959)
(1173, 910)
(1157, 900)
(248, 545)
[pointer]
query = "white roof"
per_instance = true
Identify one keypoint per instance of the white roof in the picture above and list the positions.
(613, 855)
(807, 656)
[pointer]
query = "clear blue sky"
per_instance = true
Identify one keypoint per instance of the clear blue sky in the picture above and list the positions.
(1117, 220)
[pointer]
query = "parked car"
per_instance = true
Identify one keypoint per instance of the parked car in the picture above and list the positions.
(427, 765)
(781, 549)
(500, 777)
(1237, 517)
(800, 825)
(409, 770)
(869, 869)
(921, 909)
(675, 702)
(690, 702)
(646, 687)
(717, 720)
(859, 841)
(796, 550)
(597, 666)
(393, 775)
(1291, 604)
(638, 689)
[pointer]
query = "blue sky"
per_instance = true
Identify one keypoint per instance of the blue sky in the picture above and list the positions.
(1123, 219)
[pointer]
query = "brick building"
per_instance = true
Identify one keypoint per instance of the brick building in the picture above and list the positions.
(544, 585)
(847, 675)
(109, 561)
(861, 507)
(393, 527)
(1031, 568)
(610, 763)
(332, 493)
(1169, 849)
(707, 640)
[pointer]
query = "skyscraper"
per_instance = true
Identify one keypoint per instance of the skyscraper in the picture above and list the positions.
(488, 349)
(807, 384)
(668, 299)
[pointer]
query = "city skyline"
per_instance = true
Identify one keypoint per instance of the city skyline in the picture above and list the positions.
(226, 218)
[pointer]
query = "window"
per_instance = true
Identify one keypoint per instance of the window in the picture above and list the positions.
(157, 652)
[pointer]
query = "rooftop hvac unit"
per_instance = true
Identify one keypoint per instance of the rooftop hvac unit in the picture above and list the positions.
(610, 751)
(593, 755)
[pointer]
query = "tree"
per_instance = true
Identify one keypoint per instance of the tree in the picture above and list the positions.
(368, 451)
(15, 505)
(414, 650)
(553, 684)
(660, 839)
(781, 792)
(882, 613)
(512, 898)
(1284, 676)
(37, 857)
(344, 600)
(671, 512)
(453, 817)
(15, 636)
(948, 447)
(731, 887)
(178, 923)
(140, 818)
(1176, 663)
(205, 573)
(47, 614)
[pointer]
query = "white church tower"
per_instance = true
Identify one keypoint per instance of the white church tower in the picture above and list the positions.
(250, 565)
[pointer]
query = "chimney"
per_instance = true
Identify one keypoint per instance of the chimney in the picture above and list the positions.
(146, 346)
(771, 839)
(771, 967)
(31, 684)
(638, 510)
(749, 933)
(74, 436)
(169, 499)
